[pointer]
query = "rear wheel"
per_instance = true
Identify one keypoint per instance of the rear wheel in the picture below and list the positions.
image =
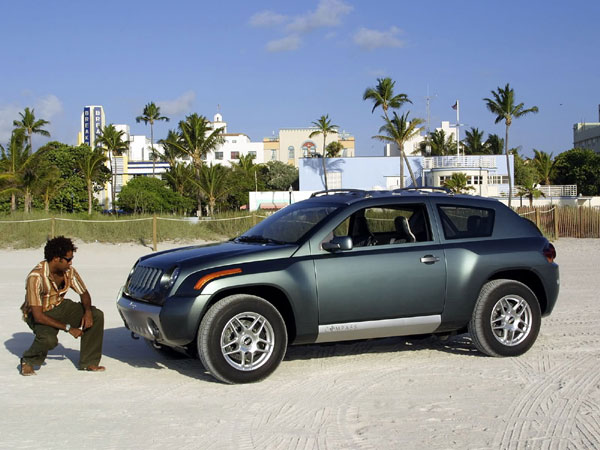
(242, 339)
(506, 319)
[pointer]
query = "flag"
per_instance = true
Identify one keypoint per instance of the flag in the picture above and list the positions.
(455, 106)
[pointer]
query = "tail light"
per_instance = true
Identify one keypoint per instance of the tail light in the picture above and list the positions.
(549, 252)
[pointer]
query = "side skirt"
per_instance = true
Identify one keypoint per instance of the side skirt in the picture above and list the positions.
(378, 328)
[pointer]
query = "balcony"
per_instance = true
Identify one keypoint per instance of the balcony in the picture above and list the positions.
(461, 162)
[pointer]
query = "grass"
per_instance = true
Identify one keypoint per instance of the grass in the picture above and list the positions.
(19, 230)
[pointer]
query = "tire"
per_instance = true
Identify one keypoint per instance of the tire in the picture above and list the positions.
(242, 339)
(506, 319)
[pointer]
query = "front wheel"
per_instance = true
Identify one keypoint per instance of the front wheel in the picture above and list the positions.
(242, 339)
(506, 319)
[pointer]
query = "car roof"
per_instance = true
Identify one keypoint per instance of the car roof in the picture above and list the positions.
(349, 196)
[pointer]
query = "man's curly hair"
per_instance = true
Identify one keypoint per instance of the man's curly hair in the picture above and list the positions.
(58, 247)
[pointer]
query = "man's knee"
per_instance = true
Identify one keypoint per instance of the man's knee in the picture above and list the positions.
(48, 341)
(97, 316)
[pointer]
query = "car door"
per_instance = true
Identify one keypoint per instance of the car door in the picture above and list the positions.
(389, 278)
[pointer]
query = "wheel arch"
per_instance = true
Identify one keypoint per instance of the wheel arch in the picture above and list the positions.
(529, 279)
(272, 294)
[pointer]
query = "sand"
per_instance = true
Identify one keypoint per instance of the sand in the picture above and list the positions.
(378, 394)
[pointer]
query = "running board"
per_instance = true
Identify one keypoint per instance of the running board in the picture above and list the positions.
(378, 328)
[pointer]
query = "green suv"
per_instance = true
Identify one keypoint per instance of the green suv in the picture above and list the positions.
(344, 265)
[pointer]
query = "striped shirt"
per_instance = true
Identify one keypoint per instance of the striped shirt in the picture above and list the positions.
(41, 290)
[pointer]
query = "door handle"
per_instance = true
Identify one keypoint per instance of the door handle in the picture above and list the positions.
(429, 259)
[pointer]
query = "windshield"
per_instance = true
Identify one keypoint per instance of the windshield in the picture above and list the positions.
(288, 225)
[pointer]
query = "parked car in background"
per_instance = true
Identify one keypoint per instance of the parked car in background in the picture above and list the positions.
(348, 265)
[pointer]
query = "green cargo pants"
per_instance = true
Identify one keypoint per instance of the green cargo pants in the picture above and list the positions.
(46, 338)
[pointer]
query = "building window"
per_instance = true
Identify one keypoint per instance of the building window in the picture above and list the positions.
(219, 155)
(498, 179)
(273, 155)
(235, 155)
(334, 180)
(344, 153)
(202, 157)
(234, 141)
(309, 149)
(252, 153)
(476, 179)
(291, 152)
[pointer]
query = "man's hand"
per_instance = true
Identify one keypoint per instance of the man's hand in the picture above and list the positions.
(76, 332)
(87, 321)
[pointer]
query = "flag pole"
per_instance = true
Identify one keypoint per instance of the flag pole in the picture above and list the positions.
(457, 128)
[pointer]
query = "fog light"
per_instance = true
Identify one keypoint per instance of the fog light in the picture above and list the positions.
(153, 328)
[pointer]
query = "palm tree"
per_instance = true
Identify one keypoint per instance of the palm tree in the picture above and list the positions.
(22, 170)
(151, 114)
(530, 191)
(494, 144)
(212, 182)
(504, 106)
(543, 165)
(399, 130)
(91, 169)
(30, 125)
(473, 142)
(49, 183)
(439, 144)
(457, 183)
(383, 95)
(13, 159)
(179, 176)
(324, 127)
(171, 149)
(112, 140)
(198, 139)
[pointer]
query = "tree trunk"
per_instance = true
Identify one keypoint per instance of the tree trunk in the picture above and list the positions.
(325, 165)
(13, 202)
(401, 169)
(152, 155)
(89, 189)
(508, 167)
(410, 171)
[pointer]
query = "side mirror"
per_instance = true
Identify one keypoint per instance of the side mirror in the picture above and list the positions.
(338, 244)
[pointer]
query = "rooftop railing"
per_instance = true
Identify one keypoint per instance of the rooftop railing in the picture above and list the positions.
(466, 162)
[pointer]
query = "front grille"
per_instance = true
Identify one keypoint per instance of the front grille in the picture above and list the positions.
(144, 279)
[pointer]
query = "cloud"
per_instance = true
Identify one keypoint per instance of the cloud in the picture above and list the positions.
(181, 105)
(47, 107)
(329, 13)
(267, 19)
(285, 44)
(8, 113)
(373, 39)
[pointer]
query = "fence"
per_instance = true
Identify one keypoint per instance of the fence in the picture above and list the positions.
(565, 221)
(154, 229)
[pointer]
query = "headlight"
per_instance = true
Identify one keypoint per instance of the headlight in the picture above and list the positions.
(169, 278)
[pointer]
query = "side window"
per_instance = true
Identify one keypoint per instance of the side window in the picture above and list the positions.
(460, 222)
(386, 224)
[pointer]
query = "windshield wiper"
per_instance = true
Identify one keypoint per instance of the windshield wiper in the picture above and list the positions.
(258, 239)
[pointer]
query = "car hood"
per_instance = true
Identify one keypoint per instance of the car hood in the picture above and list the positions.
(211, 255)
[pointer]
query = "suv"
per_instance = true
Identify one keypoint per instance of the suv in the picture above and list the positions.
(346, 265)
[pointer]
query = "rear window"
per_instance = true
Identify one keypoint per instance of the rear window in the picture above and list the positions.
(463, 222)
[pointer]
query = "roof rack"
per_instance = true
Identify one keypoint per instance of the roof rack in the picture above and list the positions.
(357, 192)
(423, 188)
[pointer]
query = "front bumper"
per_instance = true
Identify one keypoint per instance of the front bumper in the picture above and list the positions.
(175, 323)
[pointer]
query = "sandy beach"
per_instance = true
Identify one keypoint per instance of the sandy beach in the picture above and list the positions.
(379, 394)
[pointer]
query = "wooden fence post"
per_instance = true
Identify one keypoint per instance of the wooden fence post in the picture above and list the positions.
(537, 217)
(556, 222)
(253, 218)
(154, 233)
(52, 227)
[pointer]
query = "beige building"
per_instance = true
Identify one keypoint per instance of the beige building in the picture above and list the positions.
(294, 143)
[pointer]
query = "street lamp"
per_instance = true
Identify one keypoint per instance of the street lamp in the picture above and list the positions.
(290, 192)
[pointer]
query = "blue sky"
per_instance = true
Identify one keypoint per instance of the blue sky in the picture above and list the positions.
(273, 64)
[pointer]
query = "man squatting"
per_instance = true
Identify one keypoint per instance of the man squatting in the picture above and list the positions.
(47, 311)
